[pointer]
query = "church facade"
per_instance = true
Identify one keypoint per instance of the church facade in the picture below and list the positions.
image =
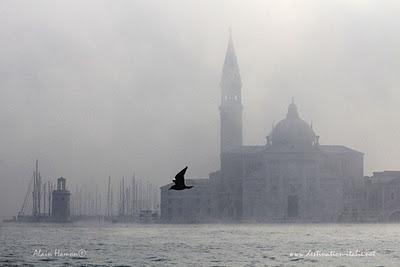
(290, 178)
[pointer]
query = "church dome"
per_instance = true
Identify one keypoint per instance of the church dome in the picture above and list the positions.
(292, 130)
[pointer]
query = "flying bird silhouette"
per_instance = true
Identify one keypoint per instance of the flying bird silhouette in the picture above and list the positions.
(180, 181)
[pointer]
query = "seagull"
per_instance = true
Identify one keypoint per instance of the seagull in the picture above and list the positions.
(180, 181)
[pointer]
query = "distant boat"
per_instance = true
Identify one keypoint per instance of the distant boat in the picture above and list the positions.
(13, 219)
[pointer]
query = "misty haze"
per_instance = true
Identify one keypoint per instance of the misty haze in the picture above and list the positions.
(285, 113)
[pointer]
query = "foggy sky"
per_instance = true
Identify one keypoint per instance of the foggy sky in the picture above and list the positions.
(99, 88)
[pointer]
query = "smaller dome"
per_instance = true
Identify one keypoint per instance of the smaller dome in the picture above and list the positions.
(292, 130)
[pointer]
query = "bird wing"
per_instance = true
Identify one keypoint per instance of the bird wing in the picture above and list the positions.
(180, 177)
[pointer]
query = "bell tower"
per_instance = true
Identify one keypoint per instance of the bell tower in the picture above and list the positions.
(231, 102)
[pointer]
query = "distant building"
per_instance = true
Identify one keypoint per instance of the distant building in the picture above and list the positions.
(290, 178)
(382, 193)
(192, 205)
(60, 211)
(293, 177)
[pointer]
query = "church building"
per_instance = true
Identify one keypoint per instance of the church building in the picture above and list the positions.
(290, 178)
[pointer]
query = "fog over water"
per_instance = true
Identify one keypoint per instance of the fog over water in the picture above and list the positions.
(99, 88)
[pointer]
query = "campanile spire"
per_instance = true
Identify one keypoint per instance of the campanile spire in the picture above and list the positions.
(231, 83)
(231, 101)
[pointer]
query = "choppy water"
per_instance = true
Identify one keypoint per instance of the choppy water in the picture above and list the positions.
(198, 245)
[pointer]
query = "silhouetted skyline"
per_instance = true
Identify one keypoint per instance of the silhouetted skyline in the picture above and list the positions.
(102, 88)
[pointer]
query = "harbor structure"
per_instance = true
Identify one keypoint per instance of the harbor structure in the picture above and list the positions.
(36, 206)
(61, 202)
(46, 201)
(382, 197)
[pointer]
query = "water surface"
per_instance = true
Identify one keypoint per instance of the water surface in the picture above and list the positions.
(199, 245)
